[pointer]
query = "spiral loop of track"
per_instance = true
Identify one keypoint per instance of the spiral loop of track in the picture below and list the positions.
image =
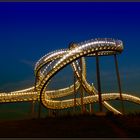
(50, 64)
(63, 58)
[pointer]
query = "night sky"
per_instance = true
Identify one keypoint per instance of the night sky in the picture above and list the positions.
(30, 30)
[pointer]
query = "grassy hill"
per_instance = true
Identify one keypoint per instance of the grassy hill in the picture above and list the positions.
(80, 126)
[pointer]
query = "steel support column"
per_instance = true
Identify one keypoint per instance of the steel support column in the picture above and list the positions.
(90, 108)
(74, 92)
(81, 87)
(119, 82)
(91, 105)
(39, 110)
(98, 82)
(32, 108)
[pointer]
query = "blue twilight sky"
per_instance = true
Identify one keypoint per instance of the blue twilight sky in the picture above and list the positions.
(30, 30)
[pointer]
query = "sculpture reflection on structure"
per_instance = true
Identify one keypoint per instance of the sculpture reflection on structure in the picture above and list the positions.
(50, 64)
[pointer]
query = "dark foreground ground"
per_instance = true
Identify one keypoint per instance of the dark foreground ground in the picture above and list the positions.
(86, 126)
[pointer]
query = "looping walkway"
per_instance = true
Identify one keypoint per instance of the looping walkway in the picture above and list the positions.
(50, 64)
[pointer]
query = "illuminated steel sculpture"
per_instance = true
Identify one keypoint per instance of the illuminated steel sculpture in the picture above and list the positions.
(50, 64)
